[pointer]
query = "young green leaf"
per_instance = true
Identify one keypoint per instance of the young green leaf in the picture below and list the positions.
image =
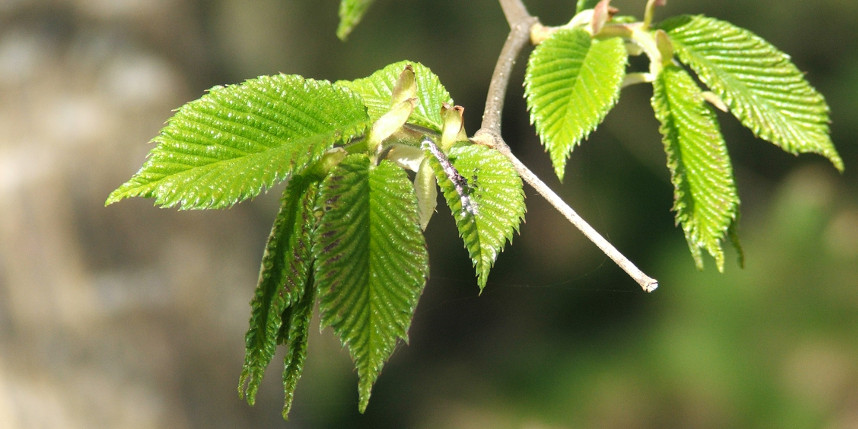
(759, 83)
(351, 12)
(237, 140)
(371, 261)
(377, 90)
(705, 198)
(571, 83)
(285, 271)
(299, 316)
(494, 206)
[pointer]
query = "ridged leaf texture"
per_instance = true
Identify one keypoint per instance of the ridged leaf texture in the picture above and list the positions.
(571, 83)
(705, 198)
(296, 334)
(351, 12)
(283, 278)
(495, 191)
(371, 261)
(377, 90)
(759, 84)
(237, 140)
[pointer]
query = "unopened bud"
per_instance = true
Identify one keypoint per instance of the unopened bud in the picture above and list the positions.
(715, 100)
(405, 88)
(427, 192)
(328, 161)
(664, 45)
(454, 126)
(389, 123)
(601, 14)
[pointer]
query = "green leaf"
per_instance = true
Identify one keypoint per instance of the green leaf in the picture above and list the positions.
(237, 140)
(571, 83)
(285, 271)
(705, 198)
(299, 317)
(759, 83)
(371, 261)
(494, 190)
(351, 12)
(377, 90)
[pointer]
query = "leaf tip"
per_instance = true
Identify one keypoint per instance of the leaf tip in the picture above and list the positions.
(559, 169)
(835, 159)
(719, 261)
(118, 194)
(364, 392)
(698, 258)
(247, 386)
(482, 279)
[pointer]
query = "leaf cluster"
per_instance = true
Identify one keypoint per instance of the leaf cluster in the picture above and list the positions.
(349, 231)
(363, 161)
(576, 73)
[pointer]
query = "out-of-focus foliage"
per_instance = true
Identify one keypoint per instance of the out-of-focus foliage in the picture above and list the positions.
(351, 12)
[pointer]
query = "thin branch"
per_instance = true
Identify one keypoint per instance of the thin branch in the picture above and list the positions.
(489, 134)
(519, 36)
(646, 282)
(514, 11)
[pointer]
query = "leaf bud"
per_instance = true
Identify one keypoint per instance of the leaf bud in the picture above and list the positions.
(602, 13)
(664, 45)
(715, 100)
(389, 123)
(327, 163)
(454, 126)
(405, 88)
(427, 192)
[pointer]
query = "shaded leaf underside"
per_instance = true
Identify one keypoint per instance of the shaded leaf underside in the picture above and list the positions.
(282, 279)
(297, 334)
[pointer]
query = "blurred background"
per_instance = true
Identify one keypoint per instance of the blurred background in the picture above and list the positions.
(132, 316)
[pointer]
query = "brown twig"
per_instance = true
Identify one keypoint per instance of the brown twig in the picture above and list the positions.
(489, 134)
